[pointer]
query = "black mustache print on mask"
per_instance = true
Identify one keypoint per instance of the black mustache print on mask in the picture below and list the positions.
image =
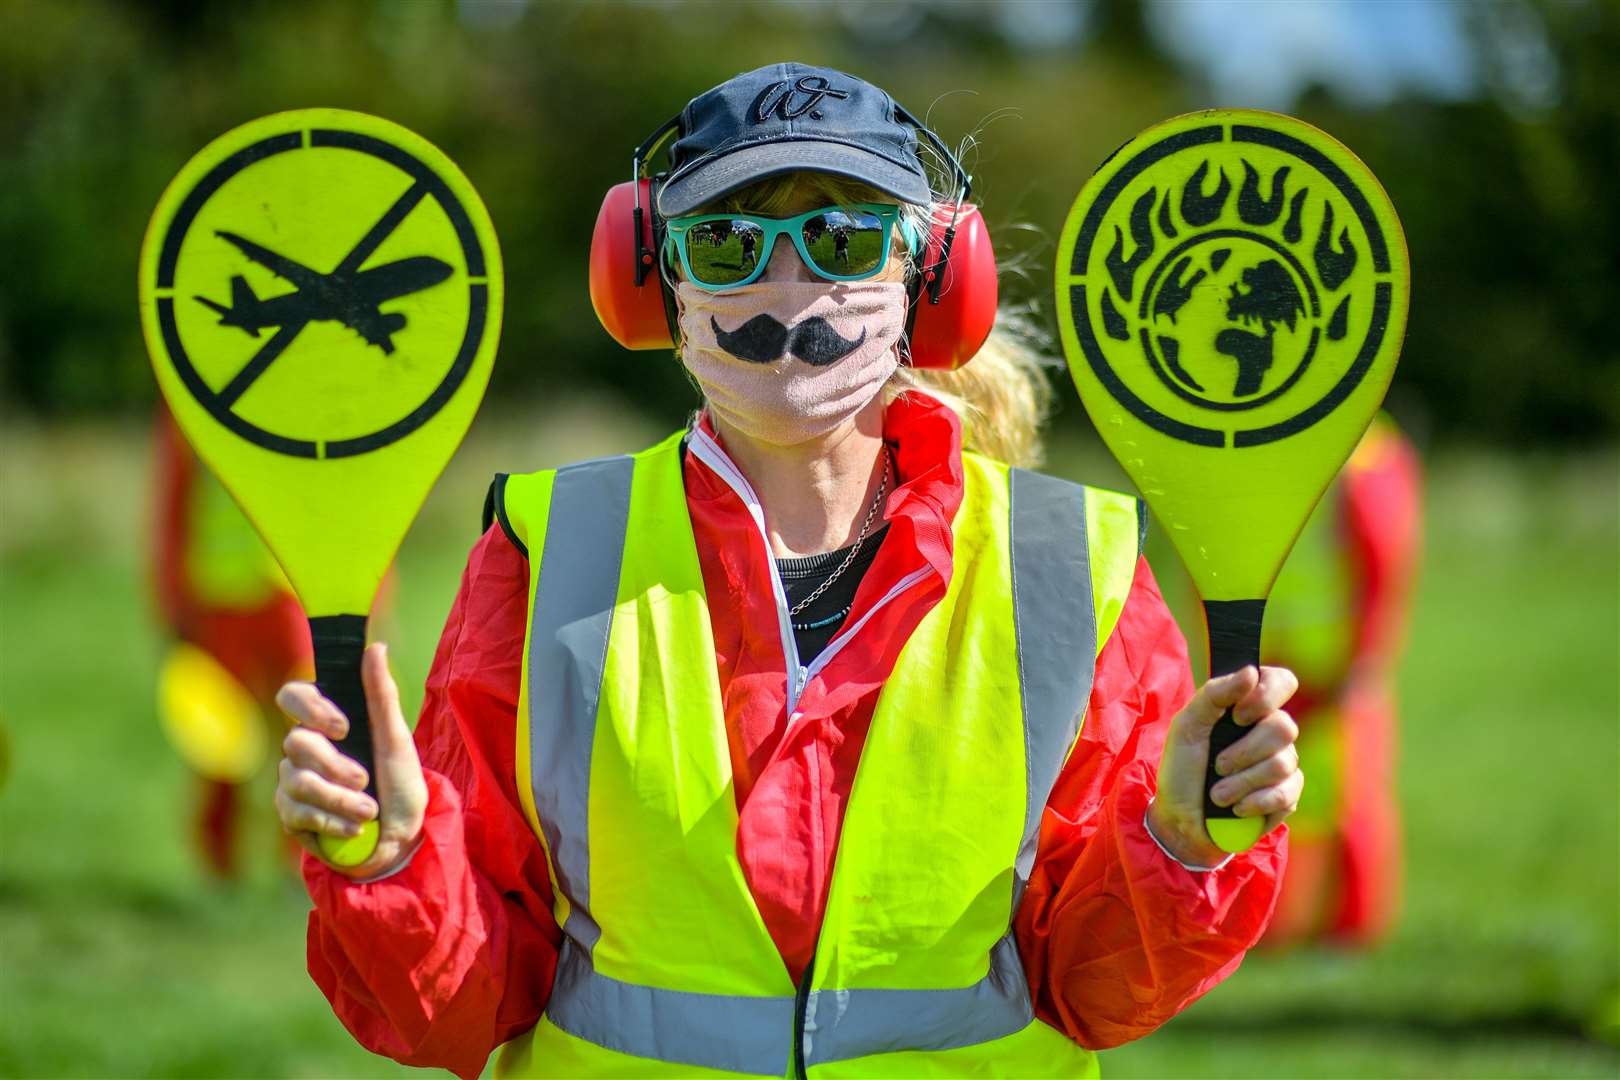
(761, 340)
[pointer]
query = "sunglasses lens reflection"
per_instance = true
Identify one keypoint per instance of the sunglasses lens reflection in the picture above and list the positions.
(845, 243)
(724, 252)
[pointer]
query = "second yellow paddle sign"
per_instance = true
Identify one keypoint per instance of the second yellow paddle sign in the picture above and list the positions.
(1232, 289)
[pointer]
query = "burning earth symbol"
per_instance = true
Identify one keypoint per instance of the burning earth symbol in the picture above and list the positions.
(1230, 274)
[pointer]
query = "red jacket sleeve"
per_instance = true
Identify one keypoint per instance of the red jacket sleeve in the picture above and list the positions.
(448, 958)
(1116, 936)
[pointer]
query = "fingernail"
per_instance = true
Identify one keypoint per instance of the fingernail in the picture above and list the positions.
(1219, 794)
(350, 829)
(1222, 766)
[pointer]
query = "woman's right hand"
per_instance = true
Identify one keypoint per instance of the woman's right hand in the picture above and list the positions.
(321, 791)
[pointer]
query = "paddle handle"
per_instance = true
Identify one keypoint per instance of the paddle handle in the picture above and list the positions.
(340, 643)
(1234, 643)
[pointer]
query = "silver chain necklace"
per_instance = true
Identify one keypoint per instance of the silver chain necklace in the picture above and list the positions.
(871, 512)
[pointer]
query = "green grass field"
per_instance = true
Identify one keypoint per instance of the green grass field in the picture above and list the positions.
(117, 958)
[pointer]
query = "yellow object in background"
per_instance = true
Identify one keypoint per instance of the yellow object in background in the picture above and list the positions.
(210, 719)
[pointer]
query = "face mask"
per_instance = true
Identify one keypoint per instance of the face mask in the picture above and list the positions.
(788, 361)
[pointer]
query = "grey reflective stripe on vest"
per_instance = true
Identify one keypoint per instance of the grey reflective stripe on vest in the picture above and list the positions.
(1056, 622)
(844, 1024)
(579, 574)
(716, 1031)
(573, 611)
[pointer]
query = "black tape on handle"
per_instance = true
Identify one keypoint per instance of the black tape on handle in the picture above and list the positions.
(1234, 643)
(340, 642)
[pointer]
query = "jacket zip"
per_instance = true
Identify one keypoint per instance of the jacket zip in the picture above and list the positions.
(849, 632)
(798, 676)
(801, 1005)
(708, 451)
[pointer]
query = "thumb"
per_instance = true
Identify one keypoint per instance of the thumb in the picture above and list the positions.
(389, 734)
(1214, 698)
(401, 787)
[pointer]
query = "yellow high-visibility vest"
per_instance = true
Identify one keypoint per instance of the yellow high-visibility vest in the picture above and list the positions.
(625, 776)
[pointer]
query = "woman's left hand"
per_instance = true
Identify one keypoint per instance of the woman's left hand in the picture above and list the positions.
(1260, 771)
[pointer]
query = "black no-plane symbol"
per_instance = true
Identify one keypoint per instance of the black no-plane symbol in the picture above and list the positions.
(347, 294)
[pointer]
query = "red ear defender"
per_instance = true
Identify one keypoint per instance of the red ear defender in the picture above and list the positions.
(945, 334)
(953, 300)
(625, 287)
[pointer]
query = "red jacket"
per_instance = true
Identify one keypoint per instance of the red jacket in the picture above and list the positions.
(446, 959)
(1344, 876)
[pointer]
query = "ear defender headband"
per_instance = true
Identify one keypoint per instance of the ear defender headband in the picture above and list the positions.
(952, 296)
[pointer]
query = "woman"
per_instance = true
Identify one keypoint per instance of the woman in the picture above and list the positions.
(804, 740)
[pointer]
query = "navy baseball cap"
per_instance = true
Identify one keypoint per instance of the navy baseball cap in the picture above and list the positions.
(790, 118)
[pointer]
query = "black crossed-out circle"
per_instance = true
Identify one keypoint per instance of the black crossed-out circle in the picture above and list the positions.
(220, 404)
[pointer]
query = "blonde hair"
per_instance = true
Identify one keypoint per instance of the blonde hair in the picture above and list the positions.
(1002, 397)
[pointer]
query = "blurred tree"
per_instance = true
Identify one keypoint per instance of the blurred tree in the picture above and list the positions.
(1514, 235)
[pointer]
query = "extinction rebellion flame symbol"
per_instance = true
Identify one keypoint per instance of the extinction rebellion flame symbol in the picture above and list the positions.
(1264, 297)
(1232, 287)
(1240, 266)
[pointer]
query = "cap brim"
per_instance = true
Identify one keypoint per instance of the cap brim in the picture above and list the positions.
(714, 178)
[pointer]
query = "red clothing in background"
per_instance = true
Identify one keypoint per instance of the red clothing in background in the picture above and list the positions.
(263, 643)
(441, 962)
(255, 630)
(1343, 879)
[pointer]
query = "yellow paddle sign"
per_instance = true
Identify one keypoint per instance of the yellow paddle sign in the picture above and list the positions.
(1232, 289)
(321, 294)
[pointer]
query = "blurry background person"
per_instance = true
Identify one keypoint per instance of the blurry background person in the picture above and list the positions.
(1337, 617)
(220, 591)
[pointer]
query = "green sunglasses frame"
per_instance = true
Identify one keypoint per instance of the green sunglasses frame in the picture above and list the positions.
(679, 229)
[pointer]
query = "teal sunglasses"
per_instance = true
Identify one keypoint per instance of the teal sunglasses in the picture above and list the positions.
(838, 243)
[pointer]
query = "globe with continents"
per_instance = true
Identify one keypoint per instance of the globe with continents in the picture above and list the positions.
(1230, 321)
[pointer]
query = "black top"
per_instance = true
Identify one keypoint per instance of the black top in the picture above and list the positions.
(826, 614)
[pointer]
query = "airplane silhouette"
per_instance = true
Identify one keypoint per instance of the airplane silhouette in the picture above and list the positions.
(346, 296)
